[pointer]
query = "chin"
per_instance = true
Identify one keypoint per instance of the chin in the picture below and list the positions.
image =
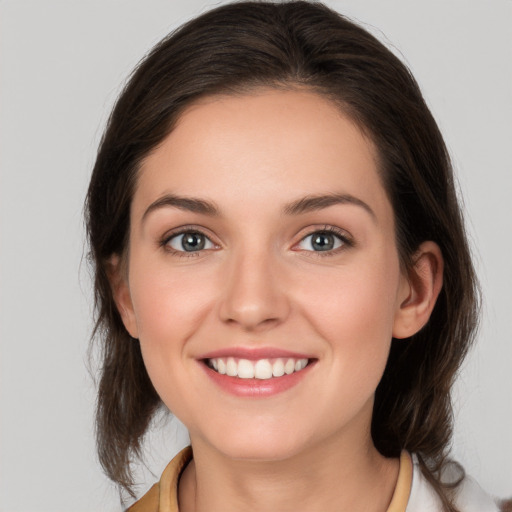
(261, 451)
(262, 444)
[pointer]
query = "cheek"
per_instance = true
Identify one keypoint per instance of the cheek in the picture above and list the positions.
(169, 305)
(354, 311)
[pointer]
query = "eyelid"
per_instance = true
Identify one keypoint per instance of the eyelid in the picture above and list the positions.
(346, 240)
(208, 243)
(175, 232)
(345, 237)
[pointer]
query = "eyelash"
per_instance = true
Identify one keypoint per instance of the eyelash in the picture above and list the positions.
(189, 230)
(342, 236)
(346, 241)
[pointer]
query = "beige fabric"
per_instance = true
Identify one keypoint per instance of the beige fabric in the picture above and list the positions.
(403, 484)
(163, 496)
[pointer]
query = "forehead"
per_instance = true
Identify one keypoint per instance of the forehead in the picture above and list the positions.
(268, 143)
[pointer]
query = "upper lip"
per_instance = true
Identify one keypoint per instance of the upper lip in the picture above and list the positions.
(254, 353)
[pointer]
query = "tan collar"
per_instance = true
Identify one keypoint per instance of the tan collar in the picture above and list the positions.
(163, 497)
(403, 484)
(170, 479)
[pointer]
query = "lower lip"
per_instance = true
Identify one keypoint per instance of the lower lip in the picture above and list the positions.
(256, 388)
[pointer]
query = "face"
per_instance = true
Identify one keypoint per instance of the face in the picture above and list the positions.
(263, 278)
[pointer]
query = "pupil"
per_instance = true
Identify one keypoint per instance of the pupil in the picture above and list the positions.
(323, 242)
(193, 242)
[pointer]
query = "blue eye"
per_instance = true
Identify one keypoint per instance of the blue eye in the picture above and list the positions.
(190, 241)
(321, 241)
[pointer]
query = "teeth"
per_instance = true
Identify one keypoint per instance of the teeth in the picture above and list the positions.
(245, 369)
(300, 364)
(278, 368)
(289, 366)
(261, 369)
(231, 367)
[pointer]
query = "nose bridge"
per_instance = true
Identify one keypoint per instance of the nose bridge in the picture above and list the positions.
(253, 296)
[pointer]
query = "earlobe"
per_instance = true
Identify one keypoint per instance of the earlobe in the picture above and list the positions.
(423, 287)
(121, 292)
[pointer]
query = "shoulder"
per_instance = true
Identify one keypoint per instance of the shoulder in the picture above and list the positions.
(163, 496)
(469, 496)
(149, 502)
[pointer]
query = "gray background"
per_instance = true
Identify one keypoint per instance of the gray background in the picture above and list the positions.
(62, 64)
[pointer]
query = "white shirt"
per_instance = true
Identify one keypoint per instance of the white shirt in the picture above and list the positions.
(469, 495)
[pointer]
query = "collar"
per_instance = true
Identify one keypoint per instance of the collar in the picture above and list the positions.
(163, 497)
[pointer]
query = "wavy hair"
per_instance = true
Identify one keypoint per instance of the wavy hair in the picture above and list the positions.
(234, 49)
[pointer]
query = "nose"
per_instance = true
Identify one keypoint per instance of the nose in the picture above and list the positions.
(254, 296)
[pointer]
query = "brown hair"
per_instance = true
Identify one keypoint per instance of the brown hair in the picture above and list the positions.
(235, 48)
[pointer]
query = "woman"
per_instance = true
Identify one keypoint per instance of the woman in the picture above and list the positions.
(281, 261)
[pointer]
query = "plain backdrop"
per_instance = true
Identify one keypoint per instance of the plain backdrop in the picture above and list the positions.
(62, 65)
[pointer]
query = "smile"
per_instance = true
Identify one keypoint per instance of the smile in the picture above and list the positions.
(262, 369)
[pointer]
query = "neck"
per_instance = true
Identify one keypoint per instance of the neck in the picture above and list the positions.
(332, 477)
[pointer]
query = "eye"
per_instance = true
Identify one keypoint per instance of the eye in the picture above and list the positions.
(189, 241)
(321, 241)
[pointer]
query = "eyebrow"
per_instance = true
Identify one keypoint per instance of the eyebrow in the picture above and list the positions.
(319, 202)
(298, 207)
(189, 204)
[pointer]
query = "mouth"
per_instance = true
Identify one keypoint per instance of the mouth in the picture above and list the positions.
(262, 369)
(256, 372)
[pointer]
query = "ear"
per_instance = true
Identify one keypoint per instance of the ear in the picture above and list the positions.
(419, 295)
(118, 278)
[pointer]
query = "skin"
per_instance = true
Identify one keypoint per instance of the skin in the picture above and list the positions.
(260, 283)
